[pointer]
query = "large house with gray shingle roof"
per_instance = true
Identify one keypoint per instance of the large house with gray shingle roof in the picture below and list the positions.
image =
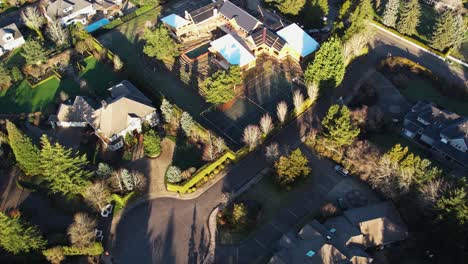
(445, 133)
(10, 38)
(69, 11)
(343, 239)
(123, 112)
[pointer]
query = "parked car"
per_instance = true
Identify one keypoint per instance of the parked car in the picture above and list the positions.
(107, 210)
(341, 204)
(341, 170)
(99, 235)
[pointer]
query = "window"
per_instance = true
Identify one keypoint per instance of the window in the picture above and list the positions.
(8, 38)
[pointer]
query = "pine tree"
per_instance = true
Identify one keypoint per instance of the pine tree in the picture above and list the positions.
(328, 67)
(337, 127)
(159, 44)
(219, 88)
(391, 12)
(292, 7)
(5, 78)
(64, 171)
(33, 52)
(448, 31)
(291, 168)
(26, 153)
(358, 18)
(409, 17)
(17, 236)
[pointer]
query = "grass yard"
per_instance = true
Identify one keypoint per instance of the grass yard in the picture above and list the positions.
(99, 76)
(385, 141)
(187, 155)
(423, 89)
(22, 98)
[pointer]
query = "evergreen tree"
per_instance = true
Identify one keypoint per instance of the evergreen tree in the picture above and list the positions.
(64, 171)
(337, 127)
(317, 11)
(17, 236)
(152, 143)
(409, 18)
(358, 18)
(187, 123)
(391, 12)
(448, 31)
(5, 77)
(328, 67)
(291, 7)
(291, 168)
(33, 52)
(239, 216)
(219, 88)
(167, 110)
(159, 44)
(454, 207)
(26, 153)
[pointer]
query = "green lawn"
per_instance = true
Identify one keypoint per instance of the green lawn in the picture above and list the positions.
(99, 76)
(187, 155)
(22, 98)
(420, 88)
(385, 141)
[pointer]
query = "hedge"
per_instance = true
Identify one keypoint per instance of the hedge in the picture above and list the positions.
(122, 201)
(94, 250)
(420, 44)
(201, 173)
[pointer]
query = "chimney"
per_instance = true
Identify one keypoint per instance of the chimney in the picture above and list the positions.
(187, 16)
(264, 35)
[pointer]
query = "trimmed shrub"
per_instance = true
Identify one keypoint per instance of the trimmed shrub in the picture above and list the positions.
(152, 144)
(173, 174)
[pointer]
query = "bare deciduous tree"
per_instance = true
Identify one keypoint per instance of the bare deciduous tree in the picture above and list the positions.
(363, 158)
(57, 34)
(272, 152)
(251, 136)
(219, 146)
(266, 124)
(312, 92)
(298, 100)
(33, 18)
(139, 181)
(356, 44)
(281, 111)
(431, 191)
(97, 195)
(82, 230)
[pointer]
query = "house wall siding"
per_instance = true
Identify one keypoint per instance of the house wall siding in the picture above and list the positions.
(13, 44)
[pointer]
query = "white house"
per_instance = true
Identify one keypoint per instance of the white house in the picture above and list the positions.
(10, 38)
(122, 113)
(69, 11)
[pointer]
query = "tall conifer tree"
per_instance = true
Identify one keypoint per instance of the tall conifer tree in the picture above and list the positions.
(26, 153)
(409, 17)
(391, 13)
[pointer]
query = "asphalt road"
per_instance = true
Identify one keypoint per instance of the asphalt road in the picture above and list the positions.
(174, 231)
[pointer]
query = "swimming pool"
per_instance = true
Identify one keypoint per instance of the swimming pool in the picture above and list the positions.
(97, 25)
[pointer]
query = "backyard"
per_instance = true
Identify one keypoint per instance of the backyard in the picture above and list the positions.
(22, 98)
(99, 76)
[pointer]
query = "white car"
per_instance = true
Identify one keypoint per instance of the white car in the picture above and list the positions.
(99, 235)
(107, 210)
(341, 170)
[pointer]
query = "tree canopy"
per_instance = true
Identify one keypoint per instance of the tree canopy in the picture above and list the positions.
(219, 88)
(33, 52)
(409, 17)
(26, 153)
(160, 45)
(17, 236)
(290, 7)
(152, 143)
(358, 18)
(291, 168)
(449, 31)
(63, 170)
(391, 13)
(337, 127)
(5, 77)
(328, 67)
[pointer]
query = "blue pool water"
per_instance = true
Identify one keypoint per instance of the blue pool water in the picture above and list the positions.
(96, 25)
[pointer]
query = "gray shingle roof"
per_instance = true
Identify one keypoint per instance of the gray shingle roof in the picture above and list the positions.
(246, 21)
(54, 9)
(10, 29)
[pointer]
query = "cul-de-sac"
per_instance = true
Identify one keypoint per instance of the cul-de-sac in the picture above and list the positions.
(234, 131)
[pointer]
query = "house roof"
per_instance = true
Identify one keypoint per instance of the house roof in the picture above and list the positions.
(243, 19)
(298, 39)
(204, 12)
(10, 29)
(267, 37)
(113, 115)
(175, 21)
(380, 223)
(55, 8)
(232, 50)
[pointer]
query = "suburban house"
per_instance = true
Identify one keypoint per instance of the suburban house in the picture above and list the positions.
(69, 11)
(445, 133)
(343, 239)
(123, 112)
(244, 36)
(10, 38)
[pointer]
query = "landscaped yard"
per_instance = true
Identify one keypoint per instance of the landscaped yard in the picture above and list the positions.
(186, 155)
(98, 76)
(22, 98)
